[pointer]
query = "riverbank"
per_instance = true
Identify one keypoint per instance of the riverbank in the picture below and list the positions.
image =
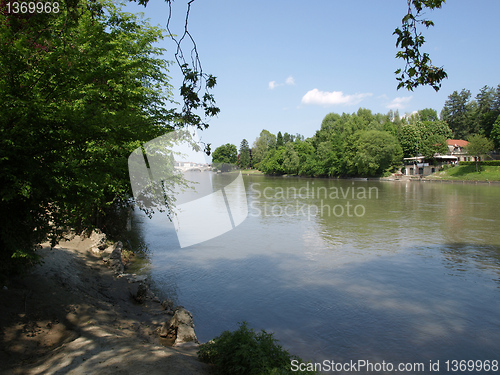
(468, 173)
(73, 315)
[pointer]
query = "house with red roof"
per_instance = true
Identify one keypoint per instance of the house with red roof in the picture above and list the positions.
(421, 166)
(456, 147)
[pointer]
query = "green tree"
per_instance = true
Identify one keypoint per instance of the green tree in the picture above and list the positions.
(287, 138)
(370, 153)
(273, 161)
(409, 138)
(225, 154)
(457, 112)
(265, 142)
(487, 110)
(80, 90)
(428, 114)
(291, 160)
(424, 138)
(478, 146)
(244, 157)
(495, 133)
(433, 136)
(279, 140)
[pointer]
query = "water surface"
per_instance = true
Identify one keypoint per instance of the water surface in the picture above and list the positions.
(411, 275)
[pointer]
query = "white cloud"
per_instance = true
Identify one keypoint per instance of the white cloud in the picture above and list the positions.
(289, 81)
(399, 103)
(332, 98)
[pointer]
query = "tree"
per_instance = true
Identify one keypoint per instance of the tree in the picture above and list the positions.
(495, 133)
(409, 138)
(458, 114)
(244, 157)
(428, 114)
(225, 154)
(487, 110)
(291, 161)
(80, 90)
(265, 142)
(418, 68)
(194, 79)
(287, 138)
(478, 146)
(279, 140)
(424, 138)
(370, 153)
(273, 161)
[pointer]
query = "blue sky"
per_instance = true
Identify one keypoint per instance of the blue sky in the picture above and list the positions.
(282, 65)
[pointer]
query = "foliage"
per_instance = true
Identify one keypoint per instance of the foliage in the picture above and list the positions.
(409, 137)
(418, 68)
(456, 113)
(424, 138)
(245, 352)
(495, 133)
(428, 114)
(487, 110)
(80, 90)
(370, 153)
(244, 160)
(273, 161)
(225, 154)
(265, 142)
(291, 161)
(465, 116)
(194, 79)
(334, 149)
(493, 163)
(478, 146)
(279, 140)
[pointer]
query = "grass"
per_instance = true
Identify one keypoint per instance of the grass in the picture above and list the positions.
(468, 173)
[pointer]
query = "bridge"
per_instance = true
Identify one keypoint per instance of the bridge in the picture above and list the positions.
(187, 166)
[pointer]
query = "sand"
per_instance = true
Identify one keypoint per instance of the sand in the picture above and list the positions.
(72, 315)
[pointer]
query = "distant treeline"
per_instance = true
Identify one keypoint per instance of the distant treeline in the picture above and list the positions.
(367, 144)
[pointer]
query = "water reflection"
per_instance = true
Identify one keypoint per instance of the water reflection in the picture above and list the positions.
(415, 278)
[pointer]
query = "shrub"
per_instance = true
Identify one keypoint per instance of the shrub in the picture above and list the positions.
(495, 163)
(244, 352)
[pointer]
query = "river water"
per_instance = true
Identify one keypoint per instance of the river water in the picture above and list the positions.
(345, 270)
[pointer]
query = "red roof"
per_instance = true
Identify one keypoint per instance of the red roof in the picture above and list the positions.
(457, 142)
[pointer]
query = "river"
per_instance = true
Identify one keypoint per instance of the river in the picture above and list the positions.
(345, 270)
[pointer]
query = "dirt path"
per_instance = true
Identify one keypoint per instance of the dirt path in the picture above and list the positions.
(71, 315)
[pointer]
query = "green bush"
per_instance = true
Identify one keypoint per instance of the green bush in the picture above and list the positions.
(244, 352)
(495, 163)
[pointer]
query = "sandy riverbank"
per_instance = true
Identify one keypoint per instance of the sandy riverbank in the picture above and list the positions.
(72, 315)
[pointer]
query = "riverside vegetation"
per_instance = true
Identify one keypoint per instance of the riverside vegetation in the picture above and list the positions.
(246, 352)
(364, 144)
